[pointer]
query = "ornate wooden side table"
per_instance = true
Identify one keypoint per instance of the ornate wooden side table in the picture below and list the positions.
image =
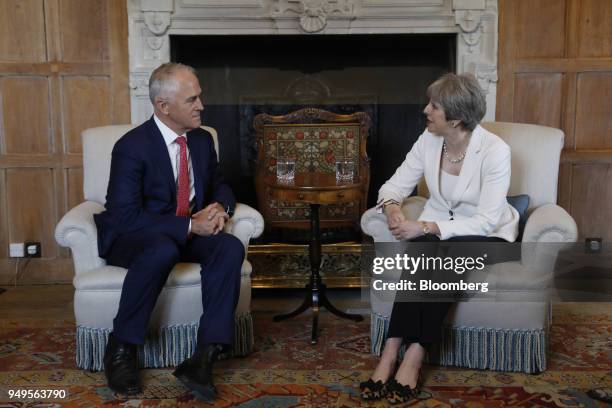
(316, 189)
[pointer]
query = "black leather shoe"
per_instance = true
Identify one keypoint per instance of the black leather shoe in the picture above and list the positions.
(121, 367)
(196, 371)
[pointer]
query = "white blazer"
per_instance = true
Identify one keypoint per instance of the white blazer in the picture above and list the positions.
(478, 202)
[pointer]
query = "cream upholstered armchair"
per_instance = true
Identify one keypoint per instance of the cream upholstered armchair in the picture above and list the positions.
(174, 321)
(508, 333)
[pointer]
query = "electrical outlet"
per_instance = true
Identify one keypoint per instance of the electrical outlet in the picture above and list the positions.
(32, 250)
(16, 250)
(593, 245)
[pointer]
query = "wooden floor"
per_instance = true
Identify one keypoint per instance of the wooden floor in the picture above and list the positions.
(55, 301)
(37, 301)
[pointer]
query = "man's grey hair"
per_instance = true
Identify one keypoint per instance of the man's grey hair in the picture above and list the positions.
(163, 82)
(461, 97)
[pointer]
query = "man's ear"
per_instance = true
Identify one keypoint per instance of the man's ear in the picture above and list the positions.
(161, 105)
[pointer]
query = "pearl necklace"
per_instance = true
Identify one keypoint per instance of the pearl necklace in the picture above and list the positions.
(447, 157)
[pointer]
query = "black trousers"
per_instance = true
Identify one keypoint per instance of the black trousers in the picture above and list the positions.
(421, 322)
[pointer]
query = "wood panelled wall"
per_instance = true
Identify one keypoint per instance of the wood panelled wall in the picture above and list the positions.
(63, 68)
(555, 69)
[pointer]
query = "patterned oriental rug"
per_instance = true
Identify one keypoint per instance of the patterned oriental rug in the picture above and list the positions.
(286, 371)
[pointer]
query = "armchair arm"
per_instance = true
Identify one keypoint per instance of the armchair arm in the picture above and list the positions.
(549, 228)
(550, 223)
(375, 224)
(77, 231)
(246, 223)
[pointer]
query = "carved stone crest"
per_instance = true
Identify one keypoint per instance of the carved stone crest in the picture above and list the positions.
(313, 14)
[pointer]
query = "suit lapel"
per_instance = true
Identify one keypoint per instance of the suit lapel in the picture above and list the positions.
(471, 163)
(160, 155)
(196, 163)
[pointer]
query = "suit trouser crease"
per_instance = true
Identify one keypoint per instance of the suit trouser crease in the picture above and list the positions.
(150, 258)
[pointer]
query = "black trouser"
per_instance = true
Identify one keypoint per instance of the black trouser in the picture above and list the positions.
(421, 322)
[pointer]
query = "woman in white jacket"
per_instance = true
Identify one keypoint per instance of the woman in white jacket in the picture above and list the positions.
(467, 171)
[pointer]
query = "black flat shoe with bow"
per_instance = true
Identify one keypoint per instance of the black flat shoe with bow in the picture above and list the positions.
(373, 390)
(400, 394)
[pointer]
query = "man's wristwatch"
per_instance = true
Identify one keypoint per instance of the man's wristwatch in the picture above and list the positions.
(426, 229)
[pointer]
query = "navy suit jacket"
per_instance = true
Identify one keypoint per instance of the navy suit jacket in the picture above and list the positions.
(141, 194)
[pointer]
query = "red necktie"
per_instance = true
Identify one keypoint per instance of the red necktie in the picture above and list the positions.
(182, 191)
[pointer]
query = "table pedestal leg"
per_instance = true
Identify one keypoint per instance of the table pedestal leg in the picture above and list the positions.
(315, 289)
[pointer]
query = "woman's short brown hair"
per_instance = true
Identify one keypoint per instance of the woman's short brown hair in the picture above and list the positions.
(461, 97)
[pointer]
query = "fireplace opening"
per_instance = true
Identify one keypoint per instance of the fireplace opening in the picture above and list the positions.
(384, 75)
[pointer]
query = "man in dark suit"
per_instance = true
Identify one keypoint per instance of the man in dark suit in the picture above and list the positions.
(167, 203)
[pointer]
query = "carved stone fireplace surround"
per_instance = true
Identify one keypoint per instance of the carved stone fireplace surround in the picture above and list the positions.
(151, 22)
